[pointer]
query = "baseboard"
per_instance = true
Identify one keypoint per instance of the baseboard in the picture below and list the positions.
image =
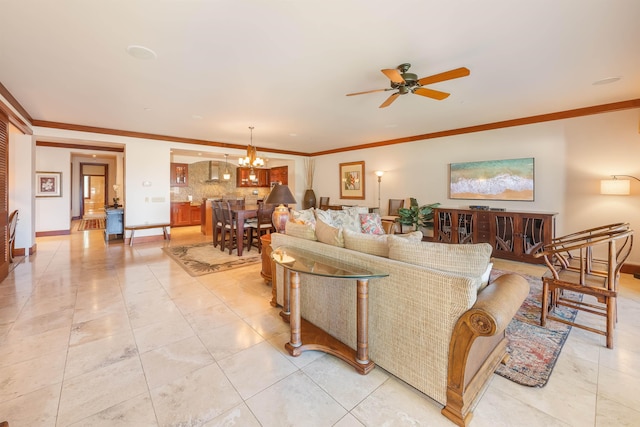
(52, 233)
(632, 269)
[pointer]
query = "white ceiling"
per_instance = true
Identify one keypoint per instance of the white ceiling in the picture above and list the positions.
(285, 66)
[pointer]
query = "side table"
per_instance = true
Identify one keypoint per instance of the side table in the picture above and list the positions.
(304, 334)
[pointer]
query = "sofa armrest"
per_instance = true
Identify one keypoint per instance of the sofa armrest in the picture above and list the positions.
(478, 344)
(497, 304)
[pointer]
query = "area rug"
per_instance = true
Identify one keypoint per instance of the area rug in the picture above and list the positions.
(202, 258)
(533, 349)
(91, 224)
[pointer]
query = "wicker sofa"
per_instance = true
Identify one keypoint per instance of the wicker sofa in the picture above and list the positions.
(433, 322)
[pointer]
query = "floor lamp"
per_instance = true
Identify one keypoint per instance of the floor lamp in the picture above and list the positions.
(379, 175)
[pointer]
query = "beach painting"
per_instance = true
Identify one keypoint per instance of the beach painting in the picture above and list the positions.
(511, 179)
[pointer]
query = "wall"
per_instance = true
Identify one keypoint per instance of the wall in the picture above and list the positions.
(54, 213)
(571, 156)
(21, 185)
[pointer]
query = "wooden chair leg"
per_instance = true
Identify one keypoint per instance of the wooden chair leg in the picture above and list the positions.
(544, 303)
(611, 314)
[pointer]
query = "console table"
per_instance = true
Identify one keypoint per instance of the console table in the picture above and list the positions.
(304, 334)
(513, 235)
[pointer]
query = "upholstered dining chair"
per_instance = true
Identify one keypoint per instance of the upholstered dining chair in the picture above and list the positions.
(394, 206)
(263, 225)
(324, 203)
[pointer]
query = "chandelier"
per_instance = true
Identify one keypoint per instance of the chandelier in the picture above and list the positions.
(252, 158)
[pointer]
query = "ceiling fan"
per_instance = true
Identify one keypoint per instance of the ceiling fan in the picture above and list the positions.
(405, 82)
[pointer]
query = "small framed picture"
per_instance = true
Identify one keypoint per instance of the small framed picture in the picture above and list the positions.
(48, 184)
(352, 180)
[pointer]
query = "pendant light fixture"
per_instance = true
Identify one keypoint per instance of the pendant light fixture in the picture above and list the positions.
(251, 158)
(226, 175)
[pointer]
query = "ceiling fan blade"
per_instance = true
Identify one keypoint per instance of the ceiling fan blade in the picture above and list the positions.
(368, 91)
(393, 75)
(389, 100)
(430, 93)
(447, 75)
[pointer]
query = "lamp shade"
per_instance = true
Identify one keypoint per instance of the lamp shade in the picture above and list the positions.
(280, 195)
(615, 186)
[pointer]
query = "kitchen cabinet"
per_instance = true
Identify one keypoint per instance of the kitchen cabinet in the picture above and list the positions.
(512, 235)
(180, 214)
(279, 174)
(242, 177)
(196, 215)
(179, 175)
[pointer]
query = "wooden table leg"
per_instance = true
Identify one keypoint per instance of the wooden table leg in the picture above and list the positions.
(294, 305)
(362, 355)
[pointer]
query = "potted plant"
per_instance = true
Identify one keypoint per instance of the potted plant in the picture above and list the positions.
(417, 216)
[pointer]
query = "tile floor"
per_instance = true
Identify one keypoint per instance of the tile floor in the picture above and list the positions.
(94, 334)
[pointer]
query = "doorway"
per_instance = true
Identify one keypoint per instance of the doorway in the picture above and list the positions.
(93, 189)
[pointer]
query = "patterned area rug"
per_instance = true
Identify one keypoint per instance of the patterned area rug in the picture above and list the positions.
(203, 258)
(533, 349)
(91, 224)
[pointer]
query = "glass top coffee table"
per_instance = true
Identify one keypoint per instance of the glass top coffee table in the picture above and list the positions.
(307, 336)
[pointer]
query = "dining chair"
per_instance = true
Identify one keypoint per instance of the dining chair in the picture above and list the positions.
(394, 206)
(229, 230)
(218, 222)
(263, 225)
(324, 203)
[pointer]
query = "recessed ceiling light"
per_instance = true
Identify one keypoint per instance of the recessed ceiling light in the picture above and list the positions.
(606, 81)
(293, 134)
(141, 52)
(197, 117)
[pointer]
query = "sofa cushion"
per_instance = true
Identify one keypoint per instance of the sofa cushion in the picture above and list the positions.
(329, 234)
(373, 244)
(304, 231)
(370, 223)
(471, 260)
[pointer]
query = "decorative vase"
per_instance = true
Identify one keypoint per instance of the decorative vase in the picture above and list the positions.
(309, 200)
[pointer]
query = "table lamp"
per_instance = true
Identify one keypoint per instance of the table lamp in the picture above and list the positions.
(280, 195)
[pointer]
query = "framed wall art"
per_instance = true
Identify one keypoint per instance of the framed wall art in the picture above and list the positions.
(511, 179)
(48, 184)
(352, 180)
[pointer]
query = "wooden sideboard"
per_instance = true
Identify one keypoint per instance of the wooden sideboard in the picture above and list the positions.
(513, 235)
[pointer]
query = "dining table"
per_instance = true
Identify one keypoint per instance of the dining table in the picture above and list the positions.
(240, 214)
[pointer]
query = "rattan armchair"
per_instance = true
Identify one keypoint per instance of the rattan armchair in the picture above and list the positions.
(573, 266)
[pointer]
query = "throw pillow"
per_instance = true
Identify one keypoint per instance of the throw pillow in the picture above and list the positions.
(347, 219)
(470, 260)
(323, 216)
(484, 279)
(303, 231)
(329, 234)
(306, 216)
(370, 223)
